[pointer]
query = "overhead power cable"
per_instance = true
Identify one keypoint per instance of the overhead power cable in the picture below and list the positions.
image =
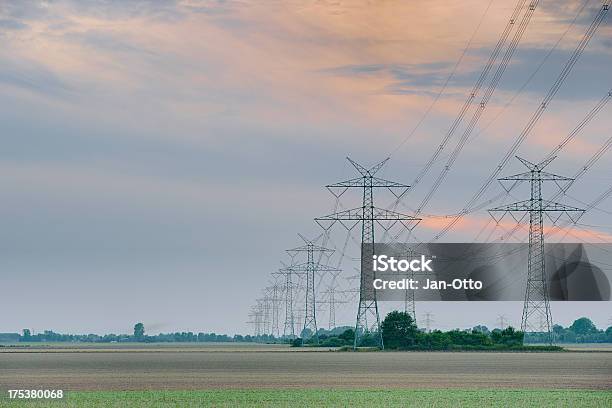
(472, 95)
(569, 65)
(445, 85)
(501, 69)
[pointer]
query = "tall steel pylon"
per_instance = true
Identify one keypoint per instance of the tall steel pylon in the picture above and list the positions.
(273, 292)
(288, 289)
(256, 319)
(264, 306)
(310, 268)
(536, 308)
(428, 319)
(409, 303)
(368, 318)
(332, 300)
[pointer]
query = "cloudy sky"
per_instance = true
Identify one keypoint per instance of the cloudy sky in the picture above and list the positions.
(159, 156)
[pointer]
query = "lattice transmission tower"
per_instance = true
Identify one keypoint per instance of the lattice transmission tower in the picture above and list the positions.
(256, 319)
(288, 289)
(409, 302)
(368, 318)
(310, 268)
(536, 308)
(331, 299)
(273, 293)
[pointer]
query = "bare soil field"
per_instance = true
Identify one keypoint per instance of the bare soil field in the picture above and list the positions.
(150, 347)
(190, 368)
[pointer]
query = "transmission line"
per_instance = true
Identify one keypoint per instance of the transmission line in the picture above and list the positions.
(444, 86)
(501, 69)
(599, 17)
(472, 95)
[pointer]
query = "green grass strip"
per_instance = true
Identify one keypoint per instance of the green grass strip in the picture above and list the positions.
(438, 398)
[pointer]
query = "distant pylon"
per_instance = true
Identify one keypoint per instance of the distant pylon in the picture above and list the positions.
(502, 321)
(274, 298)
(255, 318)
(288, 288)
(309, 268)
(264, 306)
(409, 303)
(428, 321)
(536, 308)
(332, 301)
(368, 318)
(332, 309)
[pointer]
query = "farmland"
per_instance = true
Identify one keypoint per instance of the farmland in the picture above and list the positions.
(238, 367)
(319, 398)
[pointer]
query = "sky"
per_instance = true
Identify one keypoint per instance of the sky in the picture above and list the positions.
(160, 156)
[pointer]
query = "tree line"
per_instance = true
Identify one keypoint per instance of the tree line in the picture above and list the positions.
(140, 336)
(399, 331)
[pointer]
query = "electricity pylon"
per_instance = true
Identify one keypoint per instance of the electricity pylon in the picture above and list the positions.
(256, 319)
(331, 299)
(502, 321)
(309, 268)
(288, 289)
(367, 215)
(273, 292)
(428, 321)
(409, 303)
(536, 308)
(264, 306)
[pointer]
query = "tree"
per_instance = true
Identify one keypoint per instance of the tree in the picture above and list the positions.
(348, 336)
(27, 335)
(139, 331)
(508, 336)
(583, 326)
(398, 330)
(481, 329)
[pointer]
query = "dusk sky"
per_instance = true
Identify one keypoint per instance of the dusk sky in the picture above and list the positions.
(158, 156)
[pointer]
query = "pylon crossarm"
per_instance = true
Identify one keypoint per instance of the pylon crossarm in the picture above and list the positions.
(365, 182)
(307, 266)
(552, 206)
(356, 182)
(545, 176)
(387, 215)
(315, 248)
(518, 177)
(378, 182)
(525, 205)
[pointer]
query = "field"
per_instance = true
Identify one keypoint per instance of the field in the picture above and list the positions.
(323, 398)
(230, 375)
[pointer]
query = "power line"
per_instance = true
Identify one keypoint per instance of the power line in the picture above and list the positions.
(599, 17)
(501, 69)
(448, 79)
(472, 95)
